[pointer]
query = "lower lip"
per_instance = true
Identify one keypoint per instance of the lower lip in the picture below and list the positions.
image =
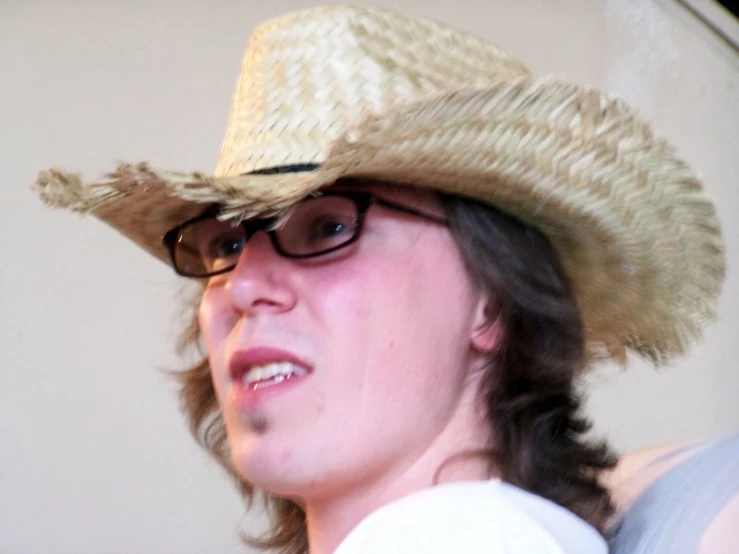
(247, 397)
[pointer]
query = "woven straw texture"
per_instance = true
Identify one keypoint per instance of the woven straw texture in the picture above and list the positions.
(367, 92)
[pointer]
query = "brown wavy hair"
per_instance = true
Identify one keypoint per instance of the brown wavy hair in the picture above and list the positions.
(530, 389)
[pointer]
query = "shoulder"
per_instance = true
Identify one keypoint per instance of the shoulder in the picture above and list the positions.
(473, 517)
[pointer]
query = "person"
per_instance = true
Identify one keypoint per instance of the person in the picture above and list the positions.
(410, 252)
(677, 498)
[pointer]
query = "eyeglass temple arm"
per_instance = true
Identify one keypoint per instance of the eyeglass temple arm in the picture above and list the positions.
(409, 210)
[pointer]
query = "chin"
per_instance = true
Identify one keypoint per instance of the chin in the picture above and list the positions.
(266, 465)
(280, 475)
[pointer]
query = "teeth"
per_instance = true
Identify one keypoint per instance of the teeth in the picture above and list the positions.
(280, 371)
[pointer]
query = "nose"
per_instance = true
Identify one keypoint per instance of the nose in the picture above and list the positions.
(260, 282)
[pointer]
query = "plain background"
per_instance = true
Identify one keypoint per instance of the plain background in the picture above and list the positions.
(94, 456)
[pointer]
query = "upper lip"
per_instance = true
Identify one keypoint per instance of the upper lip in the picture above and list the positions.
(243, 360)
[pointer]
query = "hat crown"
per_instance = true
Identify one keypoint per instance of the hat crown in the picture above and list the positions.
(306, 76)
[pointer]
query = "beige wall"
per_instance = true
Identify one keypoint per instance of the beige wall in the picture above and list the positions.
(93, 454)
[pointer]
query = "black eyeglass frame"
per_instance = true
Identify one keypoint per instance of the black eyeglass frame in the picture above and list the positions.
(362, 200)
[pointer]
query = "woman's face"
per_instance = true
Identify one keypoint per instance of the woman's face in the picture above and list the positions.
(372, 349)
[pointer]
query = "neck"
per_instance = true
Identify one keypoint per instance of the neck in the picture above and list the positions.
(331, 518)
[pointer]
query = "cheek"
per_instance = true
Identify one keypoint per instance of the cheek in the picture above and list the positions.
(215, 318)
(216, 322)
(429, 301)
(405, 331)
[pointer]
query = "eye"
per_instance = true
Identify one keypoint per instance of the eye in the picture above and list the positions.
(320, 224)
(225, 247)
(217, 242)
(327, 227)
(327, 231)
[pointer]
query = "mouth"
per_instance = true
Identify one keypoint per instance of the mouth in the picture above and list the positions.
(263, 367)
(267, 375)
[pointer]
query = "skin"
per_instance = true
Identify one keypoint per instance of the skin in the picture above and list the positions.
(395, 332)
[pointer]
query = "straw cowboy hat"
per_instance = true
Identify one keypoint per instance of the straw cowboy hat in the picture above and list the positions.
(340, 91)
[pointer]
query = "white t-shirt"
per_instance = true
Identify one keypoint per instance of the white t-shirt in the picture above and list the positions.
(480, 517)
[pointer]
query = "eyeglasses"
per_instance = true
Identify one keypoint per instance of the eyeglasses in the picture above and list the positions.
(205, 246)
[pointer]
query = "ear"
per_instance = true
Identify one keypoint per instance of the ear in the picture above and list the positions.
(487, 334)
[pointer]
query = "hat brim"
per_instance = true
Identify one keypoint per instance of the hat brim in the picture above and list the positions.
(635, 231)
